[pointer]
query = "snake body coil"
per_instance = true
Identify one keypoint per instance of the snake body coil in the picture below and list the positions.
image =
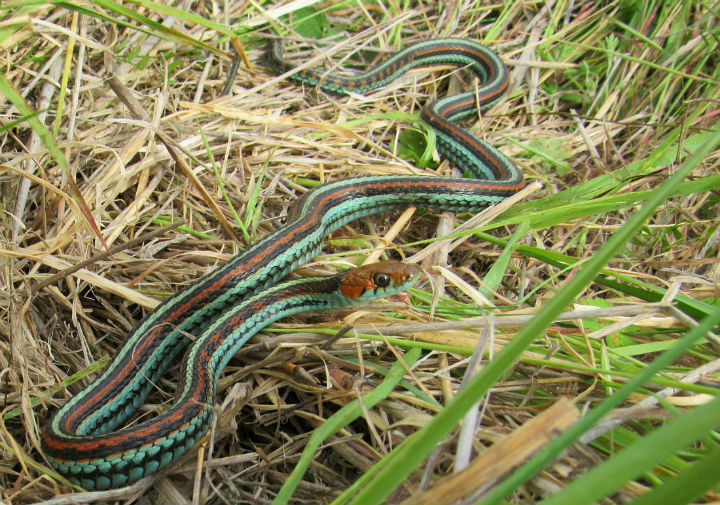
(84, 441)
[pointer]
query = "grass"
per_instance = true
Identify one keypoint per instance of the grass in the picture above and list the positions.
(603, 283)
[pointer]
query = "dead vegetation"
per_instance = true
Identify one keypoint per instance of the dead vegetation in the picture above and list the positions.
(578, 110)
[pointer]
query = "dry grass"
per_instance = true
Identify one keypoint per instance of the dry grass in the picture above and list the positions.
(248, 156)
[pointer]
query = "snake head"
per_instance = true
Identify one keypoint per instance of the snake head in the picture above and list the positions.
(378, 280)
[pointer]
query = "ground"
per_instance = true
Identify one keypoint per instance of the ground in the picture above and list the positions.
(573, 305)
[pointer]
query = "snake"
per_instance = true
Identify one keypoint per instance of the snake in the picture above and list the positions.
(90, 441)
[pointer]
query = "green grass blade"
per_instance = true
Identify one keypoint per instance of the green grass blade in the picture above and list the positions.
(549, 216)
(145, 24)
(497, 271)
(644, 455)
(223, 190)
(624, 284)
(185, 15)
(688, 486)
(339, 420)
(539, 461)
(403, 460)
(608, 184)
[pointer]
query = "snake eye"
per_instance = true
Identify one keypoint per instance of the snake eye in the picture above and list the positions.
(381, 280)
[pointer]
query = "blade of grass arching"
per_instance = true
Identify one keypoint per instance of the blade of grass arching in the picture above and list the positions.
(610, 183)
(688, 486)
(158, 29)
(146, 25)
(634, 287)
(558, 165)
(569, 436)
(549, 216)
(645, 454)
(625, 284)
(185, 15)
(645, 349)
(408, 456)
(637, 34)
(494, 276)
(7, 89)
(650, 293)
(342, 418)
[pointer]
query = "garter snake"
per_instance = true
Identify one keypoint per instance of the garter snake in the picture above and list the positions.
(85, 439)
